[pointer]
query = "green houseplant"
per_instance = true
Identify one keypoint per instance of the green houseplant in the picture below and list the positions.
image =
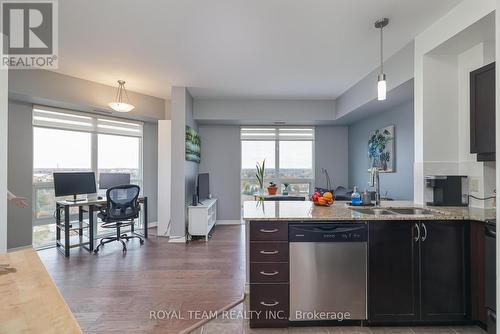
(260, 175)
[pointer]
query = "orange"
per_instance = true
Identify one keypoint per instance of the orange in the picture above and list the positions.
(322, 201)
(328, 195)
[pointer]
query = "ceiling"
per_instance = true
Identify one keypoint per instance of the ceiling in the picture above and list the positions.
(313, 49)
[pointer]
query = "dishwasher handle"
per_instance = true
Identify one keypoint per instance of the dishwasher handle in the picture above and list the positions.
(328, 232)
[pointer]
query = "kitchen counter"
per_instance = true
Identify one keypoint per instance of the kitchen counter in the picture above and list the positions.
(340, 211)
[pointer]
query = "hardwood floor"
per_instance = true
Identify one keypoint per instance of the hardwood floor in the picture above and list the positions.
(154, 288)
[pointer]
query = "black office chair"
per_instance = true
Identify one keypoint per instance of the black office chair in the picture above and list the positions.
(122, 207)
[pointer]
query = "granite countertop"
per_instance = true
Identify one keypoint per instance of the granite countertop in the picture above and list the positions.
(340, 211)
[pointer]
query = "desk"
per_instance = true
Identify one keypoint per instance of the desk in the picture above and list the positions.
(67, 226)
(31, 302)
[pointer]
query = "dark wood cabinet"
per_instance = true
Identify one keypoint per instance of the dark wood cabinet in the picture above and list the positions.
(393, 271)
(418, 272)
(482, 112)
(269, 274)
(477, 270)
(444, 272)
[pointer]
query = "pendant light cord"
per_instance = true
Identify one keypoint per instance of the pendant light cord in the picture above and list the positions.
(381, 50)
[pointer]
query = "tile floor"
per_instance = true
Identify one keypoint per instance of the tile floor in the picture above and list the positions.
(240, 326)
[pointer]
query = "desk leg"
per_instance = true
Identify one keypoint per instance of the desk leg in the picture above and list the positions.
(58, 225)
(80, 219)
(145, 217)
(91, 228)
(66, 230)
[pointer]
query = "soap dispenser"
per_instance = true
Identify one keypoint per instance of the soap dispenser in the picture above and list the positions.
(355, 197)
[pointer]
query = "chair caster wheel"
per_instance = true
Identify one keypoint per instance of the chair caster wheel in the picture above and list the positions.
(142, 242)
(96, 251)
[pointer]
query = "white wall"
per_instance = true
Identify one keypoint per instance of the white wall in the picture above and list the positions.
(428, 102)
(3, 158)
(331, 153)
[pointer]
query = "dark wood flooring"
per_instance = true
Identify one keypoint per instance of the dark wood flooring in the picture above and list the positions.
(114, 292)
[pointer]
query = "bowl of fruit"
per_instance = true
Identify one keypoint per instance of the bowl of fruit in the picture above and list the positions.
(322, 200)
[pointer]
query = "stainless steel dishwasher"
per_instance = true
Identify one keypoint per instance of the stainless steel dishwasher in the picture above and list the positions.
(328, 271)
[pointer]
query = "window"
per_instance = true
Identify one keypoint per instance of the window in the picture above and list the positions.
(289, 156)
(85, 142)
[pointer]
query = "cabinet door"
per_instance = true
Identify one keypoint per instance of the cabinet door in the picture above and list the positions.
(482, 112)
(444, 272)
(393, 271)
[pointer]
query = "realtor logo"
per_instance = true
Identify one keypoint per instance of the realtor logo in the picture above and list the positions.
(30, 34)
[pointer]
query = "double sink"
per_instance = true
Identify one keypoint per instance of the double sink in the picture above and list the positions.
(394, 211)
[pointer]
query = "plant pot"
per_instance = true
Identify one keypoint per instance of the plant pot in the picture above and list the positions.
(272, 190)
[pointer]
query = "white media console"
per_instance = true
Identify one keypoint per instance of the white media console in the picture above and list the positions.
(202, 218)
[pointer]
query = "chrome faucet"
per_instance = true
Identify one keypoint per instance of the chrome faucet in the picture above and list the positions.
(375, 182)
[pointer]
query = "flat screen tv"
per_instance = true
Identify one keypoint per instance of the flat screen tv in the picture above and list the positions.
(203, 188)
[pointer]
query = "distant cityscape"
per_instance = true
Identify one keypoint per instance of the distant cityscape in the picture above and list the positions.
(249, 184)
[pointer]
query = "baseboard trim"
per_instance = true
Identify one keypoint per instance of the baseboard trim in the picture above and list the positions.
(228, 222)
(15, 249)
(178, 239)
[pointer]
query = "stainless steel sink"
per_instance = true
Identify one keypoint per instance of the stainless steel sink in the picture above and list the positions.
(374, 211)
(412, 211)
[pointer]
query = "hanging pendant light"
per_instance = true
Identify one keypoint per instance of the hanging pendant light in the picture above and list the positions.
(119, 105)
(382, 82)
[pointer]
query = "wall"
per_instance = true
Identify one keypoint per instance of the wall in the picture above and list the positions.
(164, 176)
(331, 153)
(221, 157)
(63, 91)
(3, 157)
(183, 172)
(457, 20)
(20, 173)
(398, 68)
(399, 184)
(264, 111)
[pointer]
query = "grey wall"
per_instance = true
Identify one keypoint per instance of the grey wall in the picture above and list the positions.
(63, 91)
(263, 111)
(221, 157)
(399, 69)
(150, 168)
(331, 153)
(399, 184)
(20, 173)
(191, 168)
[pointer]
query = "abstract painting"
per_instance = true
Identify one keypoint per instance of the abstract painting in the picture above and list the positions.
(381, 149)
(193, 142)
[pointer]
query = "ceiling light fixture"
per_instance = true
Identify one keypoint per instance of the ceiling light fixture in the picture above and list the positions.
(382, 83)
(119, 105)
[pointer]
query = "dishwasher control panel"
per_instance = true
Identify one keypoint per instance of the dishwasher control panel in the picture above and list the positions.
(328, 232)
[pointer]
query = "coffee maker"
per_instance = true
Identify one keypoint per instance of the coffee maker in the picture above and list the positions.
(448, 190)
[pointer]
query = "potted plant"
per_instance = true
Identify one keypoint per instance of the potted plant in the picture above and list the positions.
(260, 175)
(285, 191)
(272, 189)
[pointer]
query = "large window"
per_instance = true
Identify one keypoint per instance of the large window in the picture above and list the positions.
(288, 154)
(65, 141)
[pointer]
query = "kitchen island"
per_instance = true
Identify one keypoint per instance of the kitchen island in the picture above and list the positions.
(421, 268)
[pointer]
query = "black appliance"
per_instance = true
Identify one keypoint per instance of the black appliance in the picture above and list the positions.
(447, 190)
(110, 180)
(203, 189)
(490, 275)
(74, 183)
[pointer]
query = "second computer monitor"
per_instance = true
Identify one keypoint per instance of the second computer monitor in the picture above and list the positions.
(109, 180)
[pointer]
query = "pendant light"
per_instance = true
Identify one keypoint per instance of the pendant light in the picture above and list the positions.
(119, 105)
(382, 83)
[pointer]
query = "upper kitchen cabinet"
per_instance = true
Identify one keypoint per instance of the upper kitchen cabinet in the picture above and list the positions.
(482, 112)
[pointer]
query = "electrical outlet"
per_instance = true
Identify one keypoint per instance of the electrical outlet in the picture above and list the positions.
(474, 185)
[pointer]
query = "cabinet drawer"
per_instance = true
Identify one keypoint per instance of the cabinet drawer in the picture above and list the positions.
(269, 272)
(271, 305)
(269, 251)
(271, 231)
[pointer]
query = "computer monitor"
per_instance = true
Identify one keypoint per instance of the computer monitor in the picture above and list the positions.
(109, 180)
(74, 183)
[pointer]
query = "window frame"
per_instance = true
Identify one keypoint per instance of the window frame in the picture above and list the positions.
(276, 139)
(94, 133)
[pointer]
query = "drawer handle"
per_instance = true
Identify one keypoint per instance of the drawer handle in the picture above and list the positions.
(274, 303)
(269, 252)
(273, 230)
(265, 273)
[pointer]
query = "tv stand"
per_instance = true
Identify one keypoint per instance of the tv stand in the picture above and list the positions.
(202, 218)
